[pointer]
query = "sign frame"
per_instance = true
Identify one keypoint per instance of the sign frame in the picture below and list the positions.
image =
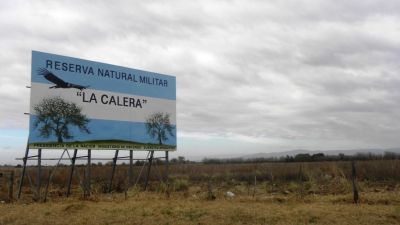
(113, 107)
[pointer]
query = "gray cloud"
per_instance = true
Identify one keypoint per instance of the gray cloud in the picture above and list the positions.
(287, 73)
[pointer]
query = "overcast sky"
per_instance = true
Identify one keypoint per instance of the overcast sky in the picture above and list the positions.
(252, 76)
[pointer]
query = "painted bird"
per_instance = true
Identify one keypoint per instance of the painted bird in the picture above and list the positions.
(59, 83)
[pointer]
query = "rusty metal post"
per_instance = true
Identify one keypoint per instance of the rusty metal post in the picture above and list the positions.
(148, 170)
(39, 174)
(72, 172)
(113, 170)
(166, 166)
(88, 175)
(21, 182)
(130, 171)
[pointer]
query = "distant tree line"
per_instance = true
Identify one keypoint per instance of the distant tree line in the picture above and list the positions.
(305, 157)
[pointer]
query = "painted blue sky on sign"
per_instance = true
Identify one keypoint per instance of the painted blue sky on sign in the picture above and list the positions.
(99, 81)
(106, 130)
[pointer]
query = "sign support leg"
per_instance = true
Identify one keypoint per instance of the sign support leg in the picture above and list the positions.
(148, 170)
(72, 172)
(166, 166)
(113, 170)
(130, 171)
(88, 175)
(51, 173)
(21, 182)
(39, 175)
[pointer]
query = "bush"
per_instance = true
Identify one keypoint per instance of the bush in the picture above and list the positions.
(180, 185)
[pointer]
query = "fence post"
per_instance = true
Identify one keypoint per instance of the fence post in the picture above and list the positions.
(255, 186)
(353, 178)
(210, 194)
(301, 177)
(11, 186)
(47, 187)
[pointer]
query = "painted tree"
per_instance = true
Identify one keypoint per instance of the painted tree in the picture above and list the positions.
(56, 116)
(159, 126)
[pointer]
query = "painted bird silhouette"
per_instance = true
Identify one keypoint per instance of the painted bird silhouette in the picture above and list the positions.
(59, 83)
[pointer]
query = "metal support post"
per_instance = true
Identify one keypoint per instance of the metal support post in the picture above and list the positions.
(166, 166)
(39, 173)
(72, 172)
(148, 169)
(21, 182)
(130, 171)
(51, 173)
(113, 170)
(88, 175)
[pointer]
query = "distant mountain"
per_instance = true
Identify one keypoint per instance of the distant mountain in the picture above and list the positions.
(329, 152)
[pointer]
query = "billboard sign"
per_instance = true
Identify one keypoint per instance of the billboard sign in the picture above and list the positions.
(83, 104)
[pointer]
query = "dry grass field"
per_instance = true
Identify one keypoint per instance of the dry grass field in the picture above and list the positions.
(155, 208)
(265, 193)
